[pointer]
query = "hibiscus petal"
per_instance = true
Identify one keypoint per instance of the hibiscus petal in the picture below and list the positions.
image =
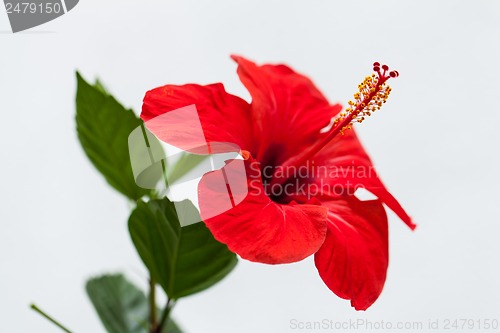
(354, 257)
(257, 228)
(218, 117)
(349, 166)
(287, 109)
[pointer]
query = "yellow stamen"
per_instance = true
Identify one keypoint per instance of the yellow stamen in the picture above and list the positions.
(372, 93)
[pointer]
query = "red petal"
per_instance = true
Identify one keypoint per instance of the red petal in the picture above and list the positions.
(257, 228)
(287, 109)
(349, 166)
(220, 117)
(353, 260)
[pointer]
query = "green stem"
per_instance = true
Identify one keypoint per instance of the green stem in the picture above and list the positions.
(52, 320)
(152, 305)
(166, 313)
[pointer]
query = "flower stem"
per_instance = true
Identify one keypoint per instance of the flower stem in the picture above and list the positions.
(166, 313)
(152, 306)
(52, 320)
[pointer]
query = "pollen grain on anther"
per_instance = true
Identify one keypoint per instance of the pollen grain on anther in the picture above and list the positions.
(372, 93)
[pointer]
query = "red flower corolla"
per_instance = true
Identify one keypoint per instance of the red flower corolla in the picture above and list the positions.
(301, 175)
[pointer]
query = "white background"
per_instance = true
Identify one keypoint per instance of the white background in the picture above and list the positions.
(435, 145)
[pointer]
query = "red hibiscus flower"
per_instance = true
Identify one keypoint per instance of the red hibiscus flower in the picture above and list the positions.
(300, 175)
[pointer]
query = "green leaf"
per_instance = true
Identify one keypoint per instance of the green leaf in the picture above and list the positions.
(186, 163)
(104, 126)
(121, 306)
(183, 260)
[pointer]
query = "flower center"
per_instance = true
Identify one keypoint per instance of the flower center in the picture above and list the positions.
(372, 94)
